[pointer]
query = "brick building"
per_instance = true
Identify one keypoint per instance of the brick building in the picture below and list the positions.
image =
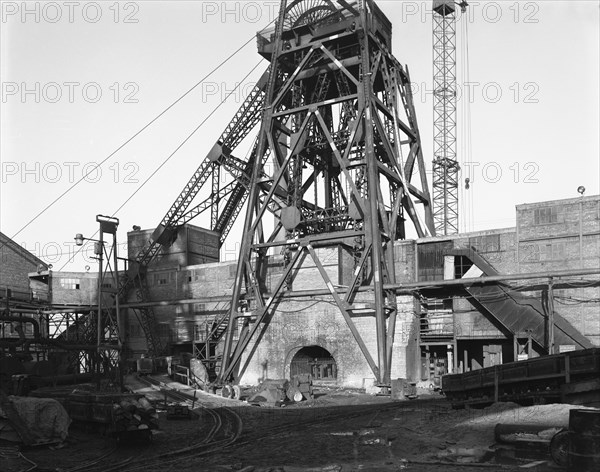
(23, 289)
(16, 264)
(439, 329)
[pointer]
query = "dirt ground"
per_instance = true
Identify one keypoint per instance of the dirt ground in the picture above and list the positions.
(339, 430)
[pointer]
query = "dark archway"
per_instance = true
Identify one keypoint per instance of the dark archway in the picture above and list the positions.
(316, 361)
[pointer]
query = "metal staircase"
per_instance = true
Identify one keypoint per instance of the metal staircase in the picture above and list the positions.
(206, 344)
(515, 312)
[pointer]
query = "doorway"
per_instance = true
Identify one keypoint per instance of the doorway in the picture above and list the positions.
(316, 361)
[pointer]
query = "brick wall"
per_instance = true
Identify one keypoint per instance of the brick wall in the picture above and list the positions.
(559, 235)
(562, 235)
(74, 288)
(15, 265)
(193, 245)
(302, 321)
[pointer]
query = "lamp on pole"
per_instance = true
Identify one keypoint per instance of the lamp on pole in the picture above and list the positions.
(581, 191)
(108, 317)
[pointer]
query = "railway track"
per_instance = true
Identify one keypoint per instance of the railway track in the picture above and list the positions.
(225, 430)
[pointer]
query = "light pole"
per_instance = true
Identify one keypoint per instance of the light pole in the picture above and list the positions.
(109, 317)
(581, 190)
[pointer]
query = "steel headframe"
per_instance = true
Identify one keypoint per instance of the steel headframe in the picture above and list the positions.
(445, 165)
(345, 169)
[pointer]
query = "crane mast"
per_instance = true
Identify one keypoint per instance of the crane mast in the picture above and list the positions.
(445, 164)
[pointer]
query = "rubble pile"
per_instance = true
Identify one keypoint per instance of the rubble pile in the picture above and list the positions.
(121, 412)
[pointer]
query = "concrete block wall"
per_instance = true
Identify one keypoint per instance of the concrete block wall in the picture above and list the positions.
(564, 234)
(193, 245)
(323, 325)
(297, 323)
(561, 235)
(473, 325)
(536, 246)
(74, 288)
(498, 247)
(176, 322)
(303, 322)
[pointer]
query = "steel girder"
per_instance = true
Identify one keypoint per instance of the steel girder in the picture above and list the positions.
(339, 126)
(445, 165)
(225, 201)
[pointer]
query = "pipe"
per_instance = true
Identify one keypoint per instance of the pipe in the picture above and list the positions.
(20, 319)
(401, 288)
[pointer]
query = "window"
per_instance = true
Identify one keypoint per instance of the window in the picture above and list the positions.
(461, 265)
(163, 278)
(70, 284)
(199, 307)
(487, 243)
(552, 251)
(544, 216)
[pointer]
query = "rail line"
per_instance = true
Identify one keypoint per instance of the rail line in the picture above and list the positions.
(226, 429)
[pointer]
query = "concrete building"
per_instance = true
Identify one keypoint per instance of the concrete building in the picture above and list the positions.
(439, 329)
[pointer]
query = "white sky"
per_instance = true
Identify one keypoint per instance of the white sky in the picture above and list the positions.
(538, 141)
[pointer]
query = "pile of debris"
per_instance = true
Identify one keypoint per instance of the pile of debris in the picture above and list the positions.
(32, 421)
(300, 388)
(116, 413)
(134, 413)
(276, 392)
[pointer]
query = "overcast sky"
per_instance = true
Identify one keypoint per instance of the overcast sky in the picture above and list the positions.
(81, 78)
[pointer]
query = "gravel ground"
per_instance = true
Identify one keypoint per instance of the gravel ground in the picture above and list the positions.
(338, 431)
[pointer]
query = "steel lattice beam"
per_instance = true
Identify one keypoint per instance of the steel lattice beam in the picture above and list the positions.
(339, 126)
(445, 165)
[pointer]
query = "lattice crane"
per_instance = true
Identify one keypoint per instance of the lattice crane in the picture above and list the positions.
(445, 164)
(224, 201)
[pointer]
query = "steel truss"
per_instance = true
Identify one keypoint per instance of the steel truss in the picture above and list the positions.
(346, 168)
(445, 165)
(100, 330)
(225, 201)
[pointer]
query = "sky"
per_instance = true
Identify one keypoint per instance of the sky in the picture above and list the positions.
(79, 79)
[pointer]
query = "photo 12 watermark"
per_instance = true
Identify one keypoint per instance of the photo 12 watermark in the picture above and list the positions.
(64, 253)
(527, 92)
(493, 172)
(252, 12)
(472, 12)
(70, 92)
(70, 12)
(68, 172)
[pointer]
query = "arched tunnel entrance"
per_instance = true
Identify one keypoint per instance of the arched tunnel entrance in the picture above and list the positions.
(316, 361)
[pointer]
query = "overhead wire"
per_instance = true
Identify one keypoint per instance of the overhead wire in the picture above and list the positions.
(137, 133)
(467, 209)
(186, 139)
(168, 158)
